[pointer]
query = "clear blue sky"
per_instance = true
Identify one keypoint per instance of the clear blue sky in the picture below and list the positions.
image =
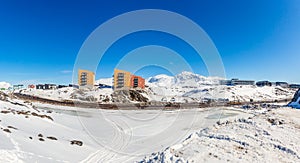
(257, 39)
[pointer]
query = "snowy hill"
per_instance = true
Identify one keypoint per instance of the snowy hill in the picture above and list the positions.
(189, 87)
(4, 85)
(105, 81)
(184, 79)
(161, 80)
(183, 87)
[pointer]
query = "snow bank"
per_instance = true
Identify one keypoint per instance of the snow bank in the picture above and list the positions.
(270, 137)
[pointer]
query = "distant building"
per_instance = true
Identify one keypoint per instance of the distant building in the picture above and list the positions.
(234, 82)
(46, 86)
(62, 86)
(86, 78)
(282, 84)
(294, 85)
(50, 86)
(121, 79)
(40, 86)
(137, 82)
(125, 80)
(225, 82)
(74, 86)
(263, 83)
(17, 87)
(31, 86)
(101, 86)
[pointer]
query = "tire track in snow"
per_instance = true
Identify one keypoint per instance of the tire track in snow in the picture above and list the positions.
(119, 141)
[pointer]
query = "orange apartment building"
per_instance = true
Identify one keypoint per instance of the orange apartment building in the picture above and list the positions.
(125, 80)
(137, 82)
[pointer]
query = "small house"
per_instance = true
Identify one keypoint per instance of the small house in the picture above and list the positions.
(40, 86)
(50, 86)
(31, 86)
(263, 83)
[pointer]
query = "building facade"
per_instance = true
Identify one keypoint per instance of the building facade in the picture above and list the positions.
(137, 82)
(234, 82)
(40, 86)
(121, 79)
(46, 86)
(125, 80)
(86, 78)
(294, 85)
(264, 83)
(18, 87)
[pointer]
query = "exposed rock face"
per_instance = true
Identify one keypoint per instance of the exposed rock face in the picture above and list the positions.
(127, 96)
(295, 103)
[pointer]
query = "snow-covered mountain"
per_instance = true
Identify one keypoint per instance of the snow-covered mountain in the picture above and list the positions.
(184, 79)
(4, 85)
(190, 87)
(161, 80)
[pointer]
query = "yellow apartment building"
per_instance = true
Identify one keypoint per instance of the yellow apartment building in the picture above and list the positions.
(122, 79)
(86, 78)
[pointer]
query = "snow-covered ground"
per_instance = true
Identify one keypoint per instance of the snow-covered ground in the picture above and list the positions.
(4, 85)
(27, 133)
(184, 87)
(267, 136)
(70, 93)
(34, 132)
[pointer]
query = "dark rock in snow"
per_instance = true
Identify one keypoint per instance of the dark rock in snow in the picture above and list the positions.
(12, 127)
(52, 138)
(76, 142)
(7, 130)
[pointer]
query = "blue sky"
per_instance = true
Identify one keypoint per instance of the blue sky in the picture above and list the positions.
(39, 41)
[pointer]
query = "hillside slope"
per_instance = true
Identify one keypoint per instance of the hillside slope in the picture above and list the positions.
(184, 87)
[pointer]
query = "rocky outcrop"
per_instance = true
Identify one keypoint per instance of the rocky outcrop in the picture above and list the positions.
(127, 96)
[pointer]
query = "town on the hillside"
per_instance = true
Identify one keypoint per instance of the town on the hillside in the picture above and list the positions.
(126, 80)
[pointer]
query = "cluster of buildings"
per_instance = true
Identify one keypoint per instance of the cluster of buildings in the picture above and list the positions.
(47, 86)
(234, 82)
(126, 80)
(86, 79)
(121, 80)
